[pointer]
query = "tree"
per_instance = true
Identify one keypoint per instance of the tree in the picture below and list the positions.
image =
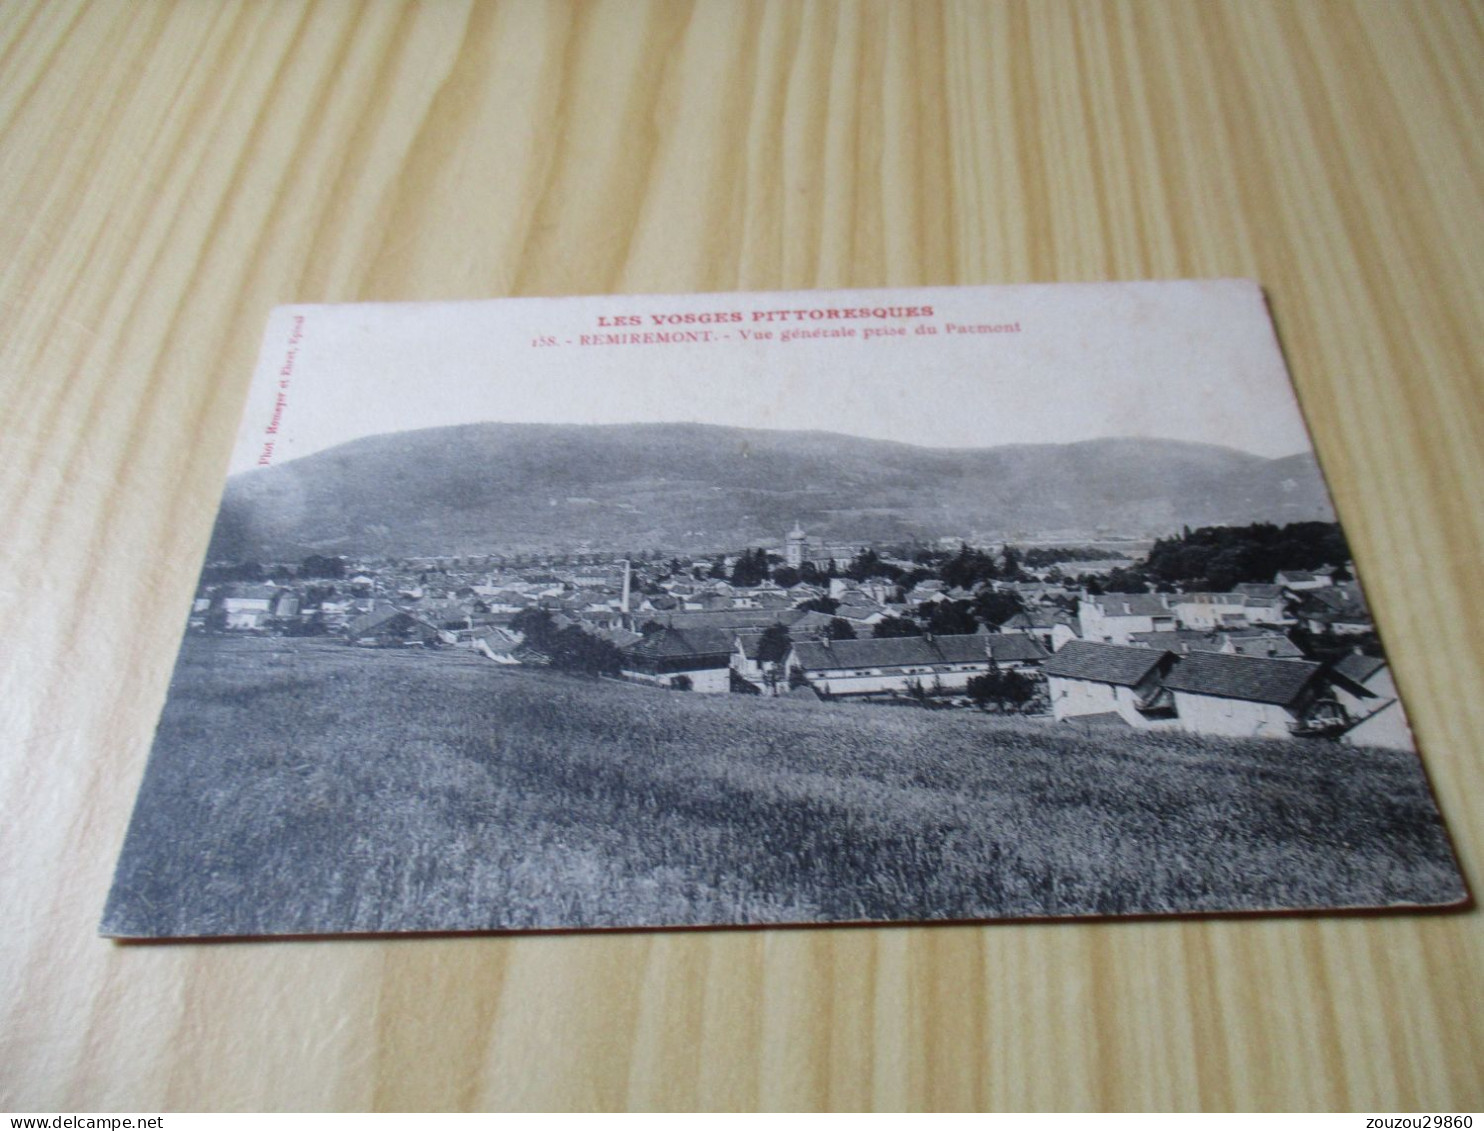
(581, 653)
(312, 625)
(537, 626)
(826, 605)
(1134, 580)
(994, 608)
(969, 567)
(1016, 690)
(840, 629)
(981, 689)
(868, 564)
(316, 566)
(774, 644)
(1011, 570)
(1004, 689)
(895, 626)
(751, 568)
(951, 618)
(786, 576)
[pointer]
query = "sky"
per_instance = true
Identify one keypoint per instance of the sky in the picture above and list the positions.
(1180, 360)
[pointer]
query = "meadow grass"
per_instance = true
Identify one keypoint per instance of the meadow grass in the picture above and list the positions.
(304, 786)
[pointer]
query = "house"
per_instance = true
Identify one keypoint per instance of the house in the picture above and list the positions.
(1113, 617)
(1091, 680)
(500, 644)
(1258, 589)
(1267, 610)
(1252, 696)
(1051, 628)
(891, 666)
(748, 663)
(394, 628)
(1244, 642)
(735, 620)
(243, 607)
(925, 592)
(1273, 645)
(1181, 641)
(1340, 609)
(1364, 688)
(1015, 652)
(1300, 581)
(693, 658)
(1207, 611)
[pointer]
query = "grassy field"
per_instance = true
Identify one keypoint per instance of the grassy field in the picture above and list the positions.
(339, 789)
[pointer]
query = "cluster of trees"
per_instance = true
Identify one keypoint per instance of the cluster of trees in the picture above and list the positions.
(868, 564)
(1039, 557)
(569, 649)
(752, 568)
(1218, 557)
(314, 566)
(954, 618)
(970, 566)
(1007, 690)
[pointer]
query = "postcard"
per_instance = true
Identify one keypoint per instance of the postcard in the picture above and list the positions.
(889, 606)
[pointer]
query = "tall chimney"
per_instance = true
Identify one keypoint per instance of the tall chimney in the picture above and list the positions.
(624, 606)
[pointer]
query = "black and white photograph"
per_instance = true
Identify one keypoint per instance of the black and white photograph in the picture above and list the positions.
(907, 606)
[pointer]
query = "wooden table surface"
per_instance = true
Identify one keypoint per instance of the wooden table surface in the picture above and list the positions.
(169, 172)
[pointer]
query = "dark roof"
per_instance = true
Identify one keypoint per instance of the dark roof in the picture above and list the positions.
(1131, 605)
(891, 651)
(1358, 666)
(1177, 640)
(389, 620)
(1255, 679)
(620, 637)
(1010, 647)
(730, 619)
(374, 619)
(1043, 619)
(1277, 646)
(750, 641)
(1104, 663)
(1259, 589)
(1339, 600)
(675, 644)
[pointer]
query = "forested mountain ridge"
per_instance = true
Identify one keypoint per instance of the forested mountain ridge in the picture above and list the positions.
(521, 487)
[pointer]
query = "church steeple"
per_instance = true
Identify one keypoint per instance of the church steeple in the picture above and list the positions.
(796, 546)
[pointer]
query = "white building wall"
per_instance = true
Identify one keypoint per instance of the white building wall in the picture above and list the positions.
(1232, 718)
(708, 681)
(1385, 728)
(1116, 628)
(1071, 698)
(1203, 616)
(880, 681)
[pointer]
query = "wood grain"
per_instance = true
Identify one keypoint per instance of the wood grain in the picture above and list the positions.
(169, 172)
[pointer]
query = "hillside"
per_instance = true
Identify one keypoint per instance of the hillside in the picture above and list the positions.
(303, 786)
(528, 487)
